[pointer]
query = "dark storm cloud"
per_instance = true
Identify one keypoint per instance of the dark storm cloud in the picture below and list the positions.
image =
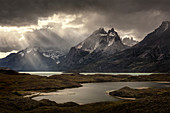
(25, 12)
(134, 17)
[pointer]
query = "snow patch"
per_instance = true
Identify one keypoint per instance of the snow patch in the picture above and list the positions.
(35, 49)
(54, 57)
(57, 62)
(111, 42)
(97, 44)
(46, 55)
(22, 54)
(103, 34)
(80, 45)
(86, 49)
(112, 34)
(166, 27)
(28, 51)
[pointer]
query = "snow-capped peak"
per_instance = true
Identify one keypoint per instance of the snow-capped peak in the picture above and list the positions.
(32, 49)
(37, 52)
(29, 50)
(99, 40)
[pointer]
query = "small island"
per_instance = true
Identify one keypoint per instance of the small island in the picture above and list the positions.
(130, 93)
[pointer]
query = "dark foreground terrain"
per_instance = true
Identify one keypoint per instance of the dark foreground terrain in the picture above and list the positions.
(13, 86)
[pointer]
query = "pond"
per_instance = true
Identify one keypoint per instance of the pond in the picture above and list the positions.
(94, 92)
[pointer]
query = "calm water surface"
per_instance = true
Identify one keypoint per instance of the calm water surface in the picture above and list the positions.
(43, 73)
(58, 73)
(94, 92)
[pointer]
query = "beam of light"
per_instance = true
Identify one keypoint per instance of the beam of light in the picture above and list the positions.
(73, 26)
(19, 30)
(43, 22)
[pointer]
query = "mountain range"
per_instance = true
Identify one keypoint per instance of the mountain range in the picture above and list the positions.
(33, 58)
(102, 51)
(46, 38)
(152, 54)
(46, 50)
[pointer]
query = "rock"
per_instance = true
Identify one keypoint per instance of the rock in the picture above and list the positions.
(100, 44)
(152, 54)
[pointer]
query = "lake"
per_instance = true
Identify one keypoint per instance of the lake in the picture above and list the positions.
(43, 73)
(94, 92)
(58, 73)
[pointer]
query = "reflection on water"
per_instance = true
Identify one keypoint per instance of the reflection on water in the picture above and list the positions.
(44, 73)
(93, 92)
(133, 74)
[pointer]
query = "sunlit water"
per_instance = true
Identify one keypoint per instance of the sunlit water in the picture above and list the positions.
(94, 92)
(44, 73)
(58, 73)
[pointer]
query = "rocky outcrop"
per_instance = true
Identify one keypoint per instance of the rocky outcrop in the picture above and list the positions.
(150, 55)
(98, 45)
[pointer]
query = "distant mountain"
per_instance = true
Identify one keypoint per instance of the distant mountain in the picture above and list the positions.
(33, 58)
(6, 70)
(129, 41)
(46, 50)
(150, 55)
(100, 44)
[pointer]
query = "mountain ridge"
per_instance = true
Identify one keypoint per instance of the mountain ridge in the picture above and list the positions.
(102, 51)
(98, 45)
(152, 54)
(33, 59)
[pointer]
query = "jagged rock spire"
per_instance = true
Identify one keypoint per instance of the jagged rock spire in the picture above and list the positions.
(112, 30)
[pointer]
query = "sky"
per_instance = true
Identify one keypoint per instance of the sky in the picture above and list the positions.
(75, 20)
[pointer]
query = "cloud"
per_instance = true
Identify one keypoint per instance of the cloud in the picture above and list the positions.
(26, 12)
(75, 20)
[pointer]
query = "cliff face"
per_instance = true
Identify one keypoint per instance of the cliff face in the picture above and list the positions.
(99, 45)
(150, 55)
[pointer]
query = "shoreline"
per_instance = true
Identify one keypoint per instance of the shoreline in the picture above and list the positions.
(86, 74)
(124, 98)
(36, 94)
(21, 85)
(163, 82)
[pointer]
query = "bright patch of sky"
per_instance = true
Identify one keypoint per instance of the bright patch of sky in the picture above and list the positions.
(4, 54)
